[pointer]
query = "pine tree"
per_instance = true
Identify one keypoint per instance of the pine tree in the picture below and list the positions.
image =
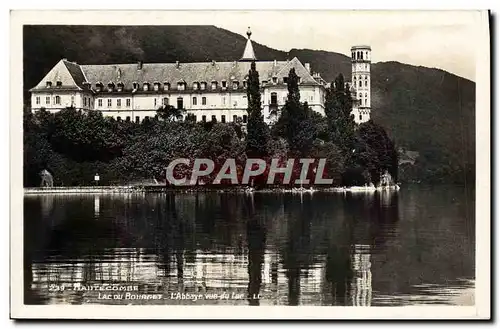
(257, 130)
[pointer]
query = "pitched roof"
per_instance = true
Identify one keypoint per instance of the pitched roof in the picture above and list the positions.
(191, 72)
(68, 74)
(173, 73)
(248, 53)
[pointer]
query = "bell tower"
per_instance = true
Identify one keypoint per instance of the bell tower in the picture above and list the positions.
(361, 82)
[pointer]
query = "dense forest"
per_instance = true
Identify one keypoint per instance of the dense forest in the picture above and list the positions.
(426, 111)
(75, 144)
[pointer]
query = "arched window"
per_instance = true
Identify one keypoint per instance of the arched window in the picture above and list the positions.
(361, 55)
(360, 83)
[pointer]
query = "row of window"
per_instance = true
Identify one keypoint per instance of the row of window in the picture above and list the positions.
(359, 55)
(157, 86)
(57, 100)
(361, 83)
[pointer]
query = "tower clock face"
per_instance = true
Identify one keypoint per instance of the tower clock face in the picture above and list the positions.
(360, 67)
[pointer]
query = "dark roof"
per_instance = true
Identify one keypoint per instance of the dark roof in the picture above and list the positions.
(76, 72)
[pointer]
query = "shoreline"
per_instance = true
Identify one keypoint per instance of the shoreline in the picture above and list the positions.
(190, 189)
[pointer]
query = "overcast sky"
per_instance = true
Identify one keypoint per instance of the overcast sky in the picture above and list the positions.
(434, 39)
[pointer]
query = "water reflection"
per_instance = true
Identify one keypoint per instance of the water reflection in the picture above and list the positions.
(262, 249)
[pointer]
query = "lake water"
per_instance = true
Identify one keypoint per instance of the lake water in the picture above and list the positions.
(414, 246)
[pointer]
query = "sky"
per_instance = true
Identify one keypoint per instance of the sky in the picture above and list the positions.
(442, 40)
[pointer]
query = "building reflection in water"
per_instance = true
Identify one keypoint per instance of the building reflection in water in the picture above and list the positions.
(287, 253)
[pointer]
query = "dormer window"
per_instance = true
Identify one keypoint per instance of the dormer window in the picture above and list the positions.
(224, 84)
(98, 86)
(135, 85)
(111, 86)
(203, 86)
(48, 84)
(166, 86)
(264, 82)
(145, 86)
(156, 86)
(300, 80)
(58, 83)
(120, 86)
(214, 85)
(195, 86)
(275, 80)
(244, 84)
(235, 85)
(285, 79)
(181, 86)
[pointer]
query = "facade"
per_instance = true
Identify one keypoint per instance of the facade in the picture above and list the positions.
(211, 91)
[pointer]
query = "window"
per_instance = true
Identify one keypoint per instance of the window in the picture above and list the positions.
(275, 80)
(360, 117)
(214, 85)
(85, 101)
(180, 86)
(203, 86)
(111, 87)
(366, 83)
(312, 98)
(165, 101)
(127, 119)
(156, 86)
(360, 95)
(145, 86)
(118, 118)
(98, 86)
(195, 85)
(154, 102)
(127, 102)
(360, 83)
(137, 119)
(244, 119)
(120, 87)
(203, 101)
(47, 100)
(118, 103)
(366, 95)
(135, 85)
(223, 118)
(195, 101)
(110, 102)
(72, 100)
(235, 85)
(285, 79)
(48, 84)
(99, 102)
(244, 84)
(223, 100)
(204, 118)
(274, 99)
(58, 100)
(214, 119)
(235, 118)
(180, 103)
(37, 100)
(166, 86)
(58, 83)
(224, 84)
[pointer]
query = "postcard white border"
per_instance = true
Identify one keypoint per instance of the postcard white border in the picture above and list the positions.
(481, 310)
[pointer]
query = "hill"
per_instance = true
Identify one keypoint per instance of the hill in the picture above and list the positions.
(426, 110)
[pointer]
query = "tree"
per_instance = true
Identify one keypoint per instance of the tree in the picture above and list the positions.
(375, 152)
(257, 130)
(170, 113)
(296, 123)
(338, 107)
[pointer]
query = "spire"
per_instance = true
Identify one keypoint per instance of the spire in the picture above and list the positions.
(248, 54)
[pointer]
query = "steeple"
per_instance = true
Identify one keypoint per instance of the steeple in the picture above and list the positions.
(248, 54)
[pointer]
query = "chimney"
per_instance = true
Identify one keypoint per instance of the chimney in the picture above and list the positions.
(308, 67)
(177, 65)
(139, 65)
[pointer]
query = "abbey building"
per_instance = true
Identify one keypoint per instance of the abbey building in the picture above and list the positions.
(211, 91)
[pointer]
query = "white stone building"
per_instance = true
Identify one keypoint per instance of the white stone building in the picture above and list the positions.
(208, 90)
